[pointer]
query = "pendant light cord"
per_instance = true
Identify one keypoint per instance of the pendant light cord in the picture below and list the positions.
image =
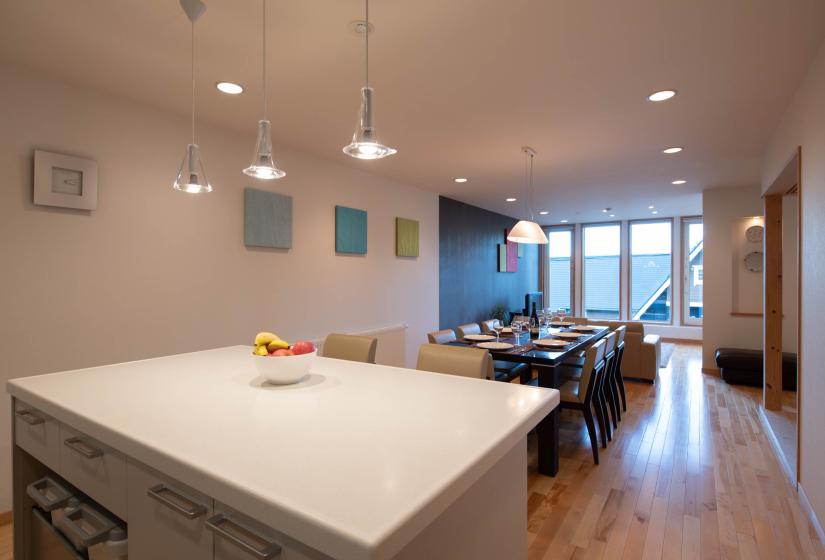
(367, 33)
(530, 190)
(264, 54)
(193, 82)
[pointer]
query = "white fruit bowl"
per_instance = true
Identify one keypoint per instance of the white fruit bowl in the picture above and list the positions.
(283, 370)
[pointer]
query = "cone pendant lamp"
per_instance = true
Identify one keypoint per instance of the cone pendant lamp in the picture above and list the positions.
(191, 175)
(365, 144)
(528, 231)
(263, 166)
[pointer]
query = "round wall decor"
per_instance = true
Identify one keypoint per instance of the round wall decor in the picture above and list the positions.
(754, 234)
(753, 261)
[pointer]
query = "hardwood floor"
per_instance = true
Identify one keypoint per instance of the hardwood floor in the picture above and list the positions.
(689, 474)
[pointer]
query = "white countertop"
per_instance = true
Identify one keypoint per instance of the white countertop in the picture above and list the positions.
(354, 461)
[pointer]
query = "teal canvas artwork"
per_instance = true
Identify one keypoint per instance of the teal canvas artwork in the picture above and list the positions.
(350, 230)
(267, 219)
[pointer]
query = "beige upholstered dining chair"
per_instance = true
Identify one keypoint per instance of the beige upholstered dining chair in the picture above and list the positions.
(455, 360)
(441, 337)
(351, 347)
(488, 325)
(469, 328)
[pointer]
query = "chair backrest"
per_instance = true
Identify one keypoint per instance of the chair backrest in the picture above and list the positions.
(620, 332)
(609, 343)
(592, 360)
(533, 297)
(455, 360)
(441, 337)
(351, 347)
(469, 328)
(487, 326)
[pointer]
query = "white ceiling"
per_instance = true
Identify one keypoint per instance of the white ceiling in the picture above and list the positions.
(461, 85)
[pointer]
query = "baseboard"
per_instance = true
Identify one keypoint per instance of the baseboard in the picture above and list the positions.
(691, 341)
(806, 505)
(712, 371)
(5, 517)
(777, 449)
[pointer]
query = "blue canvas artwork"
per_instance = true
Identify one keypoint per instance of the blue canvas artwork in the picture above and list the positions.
(267, 219)
(350, 230)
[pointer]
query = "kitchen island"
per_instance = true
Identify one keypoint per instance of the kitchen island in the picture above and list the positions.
(358, 461)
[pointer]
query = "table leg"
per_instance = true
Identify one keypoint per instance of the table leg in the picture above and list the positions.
(548, 428)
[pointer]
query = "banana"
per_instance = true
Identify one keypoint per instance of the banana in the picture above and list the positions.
(264, 338)
(260, 351)
(277, 344)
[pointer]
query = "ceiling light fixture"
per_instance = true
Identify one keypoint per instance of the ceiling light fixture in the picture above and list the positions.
(655, 212)
(612, 215)
(263, 166)
(544, 212)
(679, 182)
(663, 95)
(365, 144)
(511, 199)
(460, 179)
(651, 207)
(191, 175)
(673, 150)
(605, 210)
(528, 231)
(564, 221)
(229, 88)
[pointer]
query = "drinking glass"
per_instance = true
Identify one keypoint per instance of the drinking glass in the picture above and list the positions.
(516, 326)
(498, 326)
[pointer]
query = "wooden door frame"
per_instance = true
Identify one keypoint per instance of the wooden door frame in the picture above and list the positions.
(789, 181)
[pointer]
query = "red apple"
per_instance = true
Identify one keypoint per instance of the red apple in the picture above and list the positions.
(303, 347)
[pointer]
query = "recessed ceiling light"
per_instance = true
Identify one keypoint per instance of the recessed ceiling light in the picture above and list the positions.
(612, 215)
(663, 95)
(460, 179)
(673, 150)
(679, 182)
(544, 212)
(511, 199)
(651, 207)
(564, 221)
(605, 210)
(229, 88)
(655, 212)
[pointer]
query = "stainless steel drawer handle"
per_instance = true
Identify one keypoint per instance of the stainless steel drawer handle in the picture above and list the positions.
(243, 538)
(77, 445)
(29, 417)
(176, 502)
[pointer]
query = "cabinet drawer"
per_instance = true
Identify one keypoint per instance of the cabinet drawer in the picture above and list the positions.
(94, 468)
(167, 519)
(37, 433)
(239, 537)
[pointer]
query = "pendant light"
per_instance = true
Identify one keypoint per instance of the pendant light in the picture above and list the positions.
(191, 176)
(528, 231)
(365, 144)
(263, 167)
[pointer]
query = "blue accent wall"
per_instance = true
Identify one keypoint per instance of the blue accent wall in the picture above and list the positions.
(469, 284)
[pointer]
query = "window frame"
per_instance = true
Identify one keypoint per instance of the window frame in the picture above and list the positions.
(630, 269)
(572, 229)
(582, 287)
(686, 321)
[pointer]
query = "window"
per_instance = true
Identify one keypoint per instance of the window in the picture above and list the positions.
(651, 270)
(602, 270)
(560, 270)
(692, 252)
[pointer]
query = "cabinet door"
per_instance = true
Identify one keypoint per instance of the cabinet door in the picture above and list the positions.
(167, 519)
(37, 433)
(239, 537)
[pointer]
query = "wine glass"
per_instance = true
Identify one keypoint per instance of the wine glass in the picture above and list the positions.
(516, 326)
(498, 326)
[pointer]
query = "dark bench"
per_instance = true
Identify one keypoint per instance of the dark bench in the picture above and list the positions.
(744, 367)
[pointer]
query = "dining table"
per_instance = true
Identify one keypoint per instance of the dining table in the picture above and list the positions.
(546, 362)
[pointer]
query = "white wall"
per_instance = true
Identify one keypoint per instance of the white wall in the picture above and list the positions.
(155, 272)
(804, 125)
(722, 207)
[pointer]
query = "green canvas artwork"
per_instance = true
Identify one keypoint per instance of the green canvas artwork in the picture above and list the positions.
(350, 230)
(406, 237)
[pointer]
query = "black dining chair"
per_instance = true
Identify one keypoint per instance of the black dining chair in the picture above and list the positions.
(618, 380)
(582, 395)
